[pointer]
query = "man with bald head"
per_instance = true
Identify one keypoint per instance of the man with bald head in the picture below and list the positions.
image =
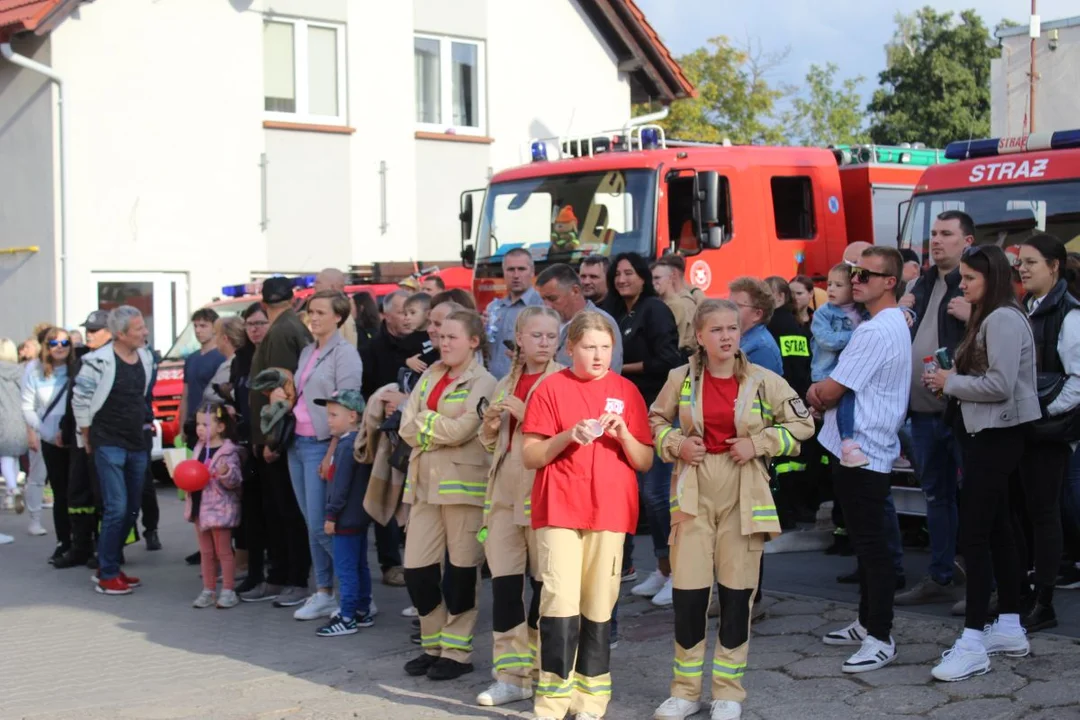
(854, 251)
(334, 279)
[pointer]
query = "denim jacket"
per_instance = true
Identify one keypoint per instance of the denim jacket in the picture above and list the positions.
(831, 329)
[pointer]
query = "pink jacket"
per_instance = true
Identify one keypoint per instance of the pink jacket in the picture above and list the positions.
(220, 504)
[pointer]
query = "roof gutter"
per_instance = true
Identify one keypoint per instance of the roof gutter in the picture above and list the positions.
(24, 62)
(647, 119)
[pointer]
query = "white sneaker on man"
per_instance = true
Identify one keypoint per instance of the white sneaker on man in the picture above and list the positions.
(317, 606)
(726, 710)
(651, 585)
(663, 598)
(409, 612)
(966, 659)
(873, 655)
(501, 693)
(853, 634)
(36, 528)
(1001, 641)
(676, 708)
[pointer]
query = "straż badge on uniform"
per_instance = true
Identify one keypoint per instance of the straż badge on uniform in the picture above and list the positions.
(799, 408)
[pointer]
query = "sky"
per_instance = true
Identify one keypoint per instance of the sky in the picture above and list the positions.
(850, 33)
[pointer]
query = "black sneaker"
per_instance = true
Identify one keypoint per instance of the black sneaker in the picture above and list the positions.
(338, 626)
(60, 551)
(153, 542)
(1042, 617)
(447, 669)
(1069, 579)
(416, 624)
(850, 578)
(70, 559)
(414, 638)
(194, 558)
(365, 620)
(249, 583)
(420, 664)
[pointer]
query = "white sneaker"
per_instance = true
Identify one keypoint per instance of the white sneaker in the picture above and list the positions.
(663, 598)
(501, 693)
(373, 611)
(6, 539)
(36, 529)
(586, 716)
(675, 708)
(964, 660)
(853, 634)
(652, 585)
(726, 710)
(410, 612)
(872, 655)
(1003, 642)
(205, 599)
(317, 606)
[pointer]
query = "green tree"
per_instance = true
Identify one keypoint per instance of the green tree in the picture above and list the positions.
(825, 114)
(735, 100)
(936, 84)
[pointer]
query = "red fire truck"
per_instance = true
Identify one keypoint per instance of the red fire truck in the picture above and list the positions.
(732, 210)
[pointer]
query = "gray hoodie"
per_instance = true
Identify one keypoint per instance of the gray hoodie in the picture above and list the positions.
(12, 425)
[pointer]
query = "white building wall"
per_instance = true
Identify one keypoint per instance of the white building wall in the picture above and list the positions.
(1057, 103)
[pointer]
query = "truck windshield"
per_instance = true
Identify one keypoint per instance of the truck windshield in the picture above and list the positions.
(186, 343)
(1004, 216)
(613, 212)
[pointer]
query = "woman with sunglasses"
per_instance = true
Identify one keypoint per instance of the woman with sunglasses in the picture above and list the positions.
(45, 388)
(1055, 324)
(994, 383)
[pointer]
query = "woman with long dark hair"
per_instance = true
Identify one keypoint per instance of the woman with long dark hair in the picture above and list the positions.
(1055, 324)
(802, 290)
(994, 383)
(650, 351)
(366, 314)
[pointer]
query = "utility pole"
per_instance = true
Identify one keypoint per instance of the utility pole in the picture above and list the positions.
(1033, 31)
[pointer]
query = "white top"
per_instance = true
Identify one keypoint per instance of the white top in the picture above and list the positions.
(876, 366)
(1068, 347)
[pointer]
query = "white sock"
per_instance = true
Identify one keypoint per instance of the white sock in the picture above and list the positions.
(971, 637)
(1010, 622)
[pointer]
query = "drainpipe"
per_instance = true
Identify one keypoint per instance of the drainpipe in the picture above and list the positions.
(34, 66)
(647, 119)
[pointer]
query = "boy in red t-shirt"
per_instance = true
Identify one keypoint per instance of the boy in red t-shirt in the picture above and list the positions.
(586, 433)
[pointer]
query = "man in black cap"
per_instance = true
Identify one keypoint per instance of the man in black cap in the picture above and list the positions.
(287, 538)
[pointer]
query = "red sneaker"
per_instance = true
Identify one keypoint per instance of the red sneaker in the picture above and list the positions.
(113, 586)
(132, 582)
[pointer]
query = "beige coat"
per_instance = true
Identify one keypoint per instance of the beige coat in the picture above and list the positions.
(448, 464)
(767, 411)
(509, 482)
(382, 500)
(683, 306)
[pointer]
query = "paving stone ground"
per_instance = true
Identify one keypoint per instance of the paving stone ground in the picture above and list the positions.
(67, 652)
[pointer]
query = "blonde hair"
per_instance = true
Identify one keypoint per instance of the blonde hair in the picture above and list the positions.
(45, 357)
(474, 327)
(759, 293)
(588, 320)
(841, 269)
(232, 328)
(517, 365)
(705, 309)
(9, 352)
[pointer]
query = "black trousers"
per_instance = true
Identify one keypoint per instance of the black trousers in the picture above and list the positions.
(253, 521)
(1041, 541)
(84, 501)
(862, 494)
(56, 466)
(991, 457)
(388, 544)
(286, 531)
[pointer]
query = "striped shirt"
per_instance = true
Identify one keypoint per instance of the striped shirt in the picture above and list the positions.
(876, 366)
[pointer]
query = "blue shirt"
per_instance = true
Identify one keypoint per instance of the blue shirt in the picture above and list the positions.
(761, 349)
(502, 317)
(199, 369)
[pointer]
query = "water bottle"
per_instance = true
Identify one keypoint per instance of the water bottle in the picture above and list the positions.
(930, 365)
(493, 321)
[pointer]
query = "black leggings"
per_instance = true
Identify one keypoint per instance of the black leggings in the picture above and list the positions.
(56, 466)
(1041, 542)
(986, 538)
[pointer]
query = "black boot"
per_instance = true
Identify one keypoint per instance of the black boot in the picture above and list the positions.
(420, 664)
(194, 558)
(71, 558)
(1042, 616)
(153, 542)
(447, 669)
(61, 549)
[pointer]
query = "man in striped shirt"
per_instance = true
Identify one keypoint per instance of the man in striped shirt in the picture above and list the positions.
(876, 366)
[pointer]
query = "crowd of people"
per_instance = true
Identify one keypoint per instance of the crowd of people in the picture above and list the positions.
(522, 441)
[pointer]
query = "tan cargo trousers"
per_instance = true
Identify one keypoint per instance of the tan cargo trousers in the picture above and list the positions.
(707, 549)
(581, 571)
(446, 624)
(511, 555)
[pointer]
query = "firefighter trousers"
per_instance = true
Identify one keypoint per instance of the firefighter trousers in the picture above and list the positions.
(708, 549)
(581, 571)
(84, 503)
(446, 623)
(512, 556)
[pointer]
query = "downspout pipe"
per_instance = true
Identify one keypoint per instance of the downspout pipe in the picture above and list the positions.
(647, 119)
(24, 62)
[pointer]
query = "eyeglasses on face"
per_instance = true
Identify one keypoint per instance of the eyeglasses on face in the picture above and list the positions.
(59, 343)
(256, 323)
(863, 275)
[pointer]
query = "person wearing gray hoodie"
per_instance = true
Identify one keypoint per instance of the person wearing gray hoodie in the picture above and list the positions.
(13, 441)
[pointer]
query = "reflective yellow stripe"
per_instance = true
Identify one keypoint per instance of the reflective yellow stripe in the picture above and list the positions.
(673, 503)
(455, 642)
(764, 512)
(663, 434)
(460, 487)
(787, 440)
(592, 687)
(789, 467)
(688, 669)
(727, 670)
(456, 396)
(685, 393)
(429, 641)
(555, 689)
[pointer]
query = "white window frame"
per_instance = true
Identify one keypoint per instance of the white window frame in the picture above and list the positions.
(446, 86)
(300, 74)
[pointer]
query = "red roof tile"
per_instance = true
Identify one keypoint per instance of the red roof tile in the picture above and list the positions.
(27, 15)
(662, 50)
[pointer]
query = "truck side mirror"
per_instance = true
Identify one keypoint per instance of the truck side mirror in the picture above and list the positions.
(714, 238)
(466, 216)
(468, 255)
(901, 211)
(709, 197)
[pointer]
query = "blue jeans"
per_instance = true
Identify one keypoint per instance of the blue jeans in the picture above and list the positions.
(354, 576)
(121, 474)
(937, 464)
(304, 456)
(845, 416)
(656, 489)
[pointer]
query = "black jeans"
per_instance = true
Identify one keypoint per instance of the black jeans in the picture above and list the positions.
(286, 531)
(56, 466)
(1042, 472)
(253, 521)
(862, 494)
(151, 513)
(388, 544)
(986, 538)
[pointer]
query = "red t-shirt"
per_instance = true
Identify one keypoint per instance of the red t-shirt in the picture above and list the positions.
(437, 392)
(718, 411)
(587, 487)
(521, 392)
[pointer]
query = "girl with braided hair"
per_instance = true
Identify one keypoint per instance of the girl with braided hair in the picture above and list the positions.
(733, 417)
(509, 541)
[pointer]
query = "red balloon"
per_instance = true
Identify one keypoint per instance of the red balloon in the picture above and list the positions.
(191, 476)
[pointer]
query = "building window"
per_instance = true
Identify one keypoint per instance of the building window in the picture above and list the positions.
(449, 84)
(793, 208)
(304, 71)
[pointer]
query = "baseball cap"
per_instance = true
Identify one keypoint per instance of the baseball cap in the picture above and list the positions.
(276, 290)
(909, 255)
(410, 283)
(97, 320)
(349, 399)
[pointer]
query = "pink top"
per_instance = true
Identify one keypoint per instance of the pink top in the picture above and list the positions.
(300, 412)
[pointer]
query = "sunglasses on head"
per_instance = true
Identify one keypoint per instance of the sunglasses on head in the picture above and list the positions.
(863, 275)
(59, 343)
(972, 251)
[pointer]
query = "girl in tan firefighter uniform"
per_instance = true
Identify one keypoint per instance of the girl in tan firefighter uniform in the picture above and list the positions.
(445, 485)
(734, 416)
(509, 540)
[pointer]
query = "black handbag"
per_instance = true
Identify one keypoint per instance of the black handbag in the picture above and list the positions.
(1054, 428)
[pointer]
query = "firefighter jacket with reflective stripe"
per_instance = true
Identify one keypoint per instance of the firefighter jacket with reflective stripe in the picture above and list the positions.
(767, 411)
(509, 482)
(448, 464)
